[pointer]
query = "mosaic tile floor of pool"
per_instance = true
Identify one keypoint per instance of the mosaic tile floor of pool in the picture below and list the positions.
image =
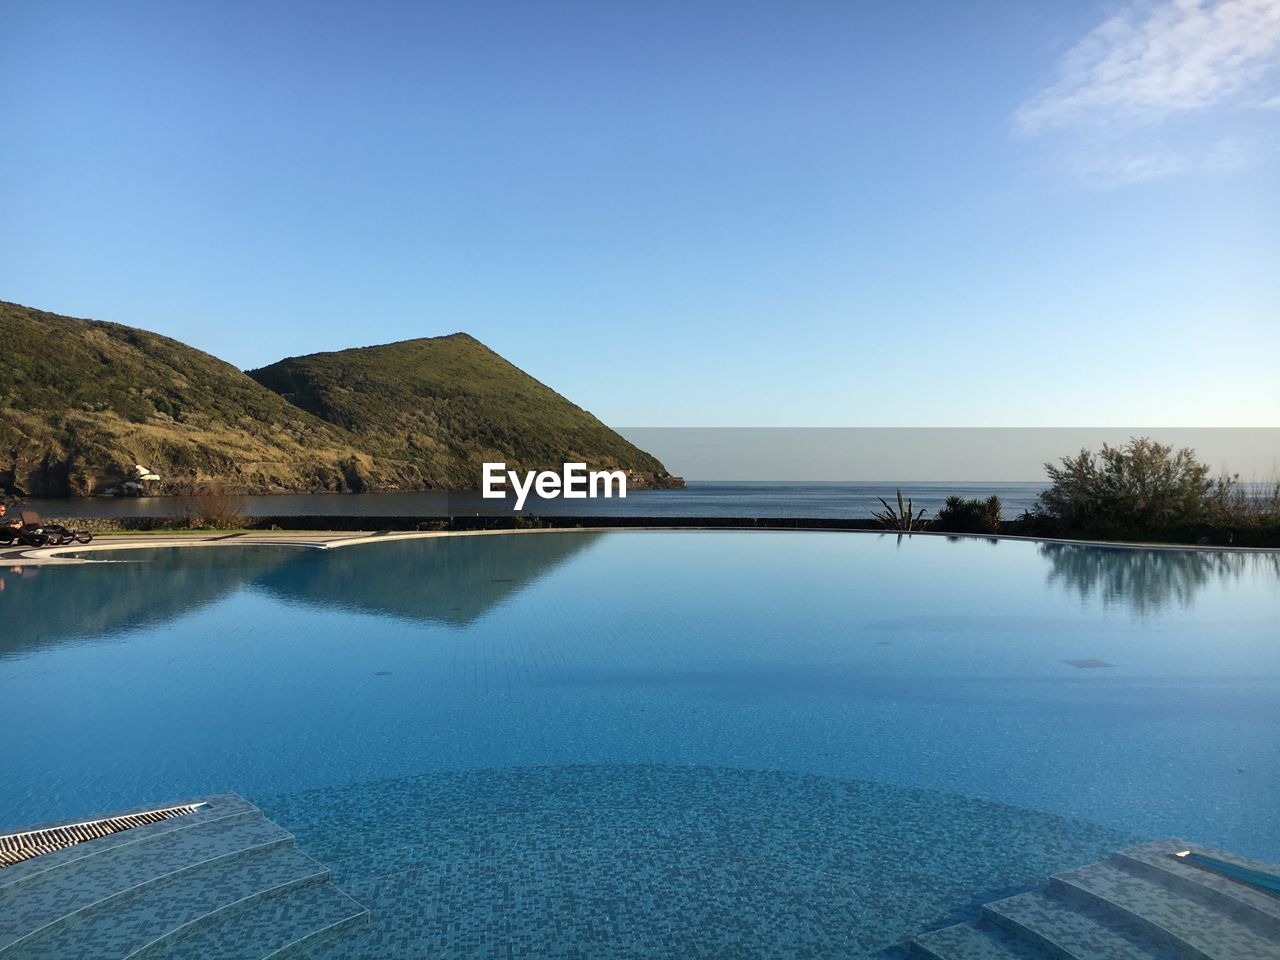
(658, 861)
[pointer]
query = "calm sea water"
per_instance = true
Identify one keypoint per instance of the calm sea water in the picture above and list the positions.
(661, 743)
(699, 499)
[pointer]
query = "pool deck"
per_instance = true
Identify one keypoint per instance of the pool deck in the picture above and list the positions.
(334, 539)
(320, 540)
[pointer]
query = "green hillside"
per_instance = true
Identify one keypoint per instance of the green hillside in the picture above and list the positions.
(447, 404)
(83, 403)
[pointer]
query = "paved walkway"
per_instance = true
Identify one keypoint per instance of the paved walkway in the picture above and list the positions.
(76, 553)
(329, 540)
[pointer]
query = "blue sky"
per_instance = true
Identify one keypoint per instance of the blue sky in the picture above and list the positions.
(678, 214)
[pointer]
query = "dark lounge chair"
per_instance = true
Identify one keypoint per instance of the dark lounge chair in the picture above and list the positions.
(32, 532)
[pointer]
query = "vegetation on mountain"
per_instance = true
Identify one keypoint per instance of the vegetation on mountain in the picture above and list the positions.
(84, 404)
(445, 405)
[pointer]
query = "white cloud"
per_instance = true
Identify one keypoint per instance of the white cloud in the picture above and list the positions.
(1118, 165)
(1156, 58)
(1103, 170)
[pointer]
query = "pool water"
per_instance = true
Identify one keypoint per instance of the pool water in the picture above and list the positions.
(657, 744)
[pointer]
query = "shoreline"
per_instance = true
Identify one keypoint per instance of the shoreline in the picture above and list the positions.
(315, 539)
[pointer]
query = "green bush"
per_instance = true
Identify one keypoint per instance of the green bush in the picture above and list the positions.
(1148, 491)
(1135, 488)
(969, 516)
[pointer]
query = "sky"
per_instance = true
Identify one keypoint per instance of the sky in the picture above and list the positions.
(993, 213)
(970, 454)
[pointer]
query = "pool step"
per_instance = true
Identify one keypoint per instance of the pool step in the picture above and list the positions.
(1065, 930)
(219, 808)
(1237, 900)
(1140, 904)
(274, 927)
(980, 941)
(1191, 929)
(60, 896)
(232, 876)
(16, 848)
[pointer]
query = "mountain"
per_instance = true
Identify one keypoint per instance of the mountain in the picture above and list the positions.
(83, 403)
(447, 404)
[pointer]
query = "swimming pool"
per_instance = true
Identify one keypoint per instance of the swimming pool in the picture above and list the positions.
(648, 743)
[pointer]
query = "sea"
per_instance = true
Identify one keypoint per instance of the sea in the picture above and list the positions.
(700, 498)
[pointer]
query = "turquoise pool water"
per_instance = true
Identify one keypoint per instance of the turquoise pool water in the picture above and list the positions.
(657, 744)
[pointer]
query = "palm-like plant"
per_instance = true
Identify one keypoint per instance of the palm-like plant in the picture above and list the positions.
(903, 518)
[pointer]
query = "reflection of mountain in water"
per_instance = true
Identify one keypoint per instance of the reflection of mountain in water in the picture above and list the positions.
(1147, 580)
(454, 581)
(42, 605)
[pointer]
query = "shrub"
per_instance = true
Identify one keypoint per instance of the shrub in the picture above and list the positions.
(1136, 488)
(208, 506)
(1230, 501)
(969, 516)
(903, 518)
(1145, 490)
